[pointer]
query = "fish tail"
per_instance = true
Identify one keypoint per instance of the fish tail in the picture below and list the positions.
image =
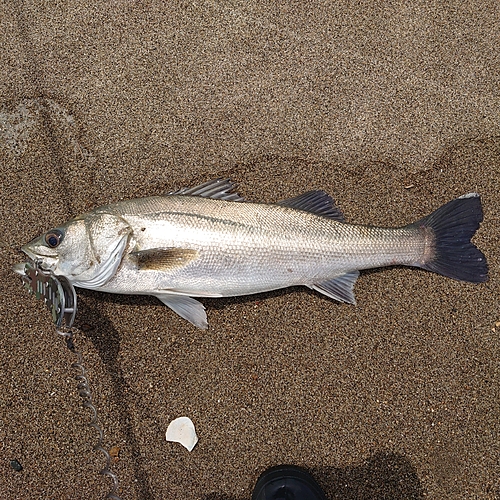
(452, 253)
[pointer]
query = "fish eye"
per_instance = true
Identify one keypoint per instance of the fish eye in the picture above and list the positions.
(53, 238)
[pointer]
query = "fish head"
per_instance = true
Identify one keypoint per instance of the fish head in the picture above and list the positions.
(86, 250)
(62, 250)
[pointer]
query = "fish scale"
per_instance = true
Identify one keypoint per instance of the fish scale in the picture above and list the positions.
(251, 249)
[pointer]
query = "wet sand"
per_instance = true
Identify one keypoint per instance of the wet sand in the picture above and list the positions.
(392, 110)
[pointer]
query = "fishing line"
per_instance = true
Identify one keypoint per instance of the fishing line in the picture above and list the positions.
(85, 392)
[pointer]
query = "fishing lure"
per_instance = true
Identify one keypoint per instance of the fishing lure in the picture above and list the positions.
(56, 291)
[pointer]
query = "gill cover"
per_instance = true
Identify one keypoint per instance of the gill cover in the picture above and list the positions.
(108, 237)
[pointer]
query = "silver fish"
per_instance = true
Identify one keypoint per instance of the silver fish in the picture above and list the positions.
(208, 242)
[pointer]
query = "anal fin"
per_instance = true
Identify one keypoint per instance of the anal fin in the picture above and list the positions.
(186, 307)
(340, 288)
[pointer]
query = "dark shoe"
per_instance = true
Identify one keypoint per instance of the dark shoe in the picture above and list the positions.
(287, 482)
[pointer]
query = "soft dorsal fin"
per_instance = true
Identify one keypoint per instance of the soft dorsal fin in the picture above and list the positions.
(218, 189)
(316, 202)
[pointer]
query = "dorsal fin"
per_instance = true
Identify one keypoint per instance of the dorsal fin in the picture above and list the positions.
(218, 189)
(316, 202)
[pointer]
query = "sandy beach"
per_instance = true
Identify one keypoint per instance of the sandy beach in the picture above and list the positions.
(392, 109)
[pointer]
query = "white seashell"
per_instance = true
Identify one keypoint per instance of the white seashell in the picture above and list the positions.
(181, 430)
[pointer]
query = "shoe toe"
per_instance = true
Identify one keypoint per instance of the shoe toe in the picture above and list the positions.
(287, 482)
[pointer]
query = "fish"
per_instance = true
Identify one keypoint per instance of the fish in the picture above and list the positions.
(208, 241)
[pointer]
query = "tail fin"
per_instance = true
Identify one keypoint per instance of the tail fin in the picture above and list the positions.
(453, 225)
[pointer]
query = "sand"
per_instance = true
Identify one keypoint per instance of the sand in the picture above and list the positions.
(392, 109)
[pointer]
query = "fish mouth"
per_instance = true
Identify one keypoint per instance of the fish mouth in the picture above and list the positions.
(39, 252)
(45, 261)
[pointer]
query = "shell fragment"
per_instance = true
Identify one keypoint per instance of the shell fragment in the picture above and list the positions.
(181, 430)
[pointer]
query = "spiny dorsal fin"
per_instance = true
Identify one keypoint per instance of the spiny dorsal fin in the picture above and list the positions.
(316, 202)
(162, 259)
(218, 189)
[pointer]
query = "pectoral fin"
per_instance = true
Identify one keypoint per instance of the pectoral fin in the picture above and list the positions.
(339, 288)
(187, 308)
(162, 259)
